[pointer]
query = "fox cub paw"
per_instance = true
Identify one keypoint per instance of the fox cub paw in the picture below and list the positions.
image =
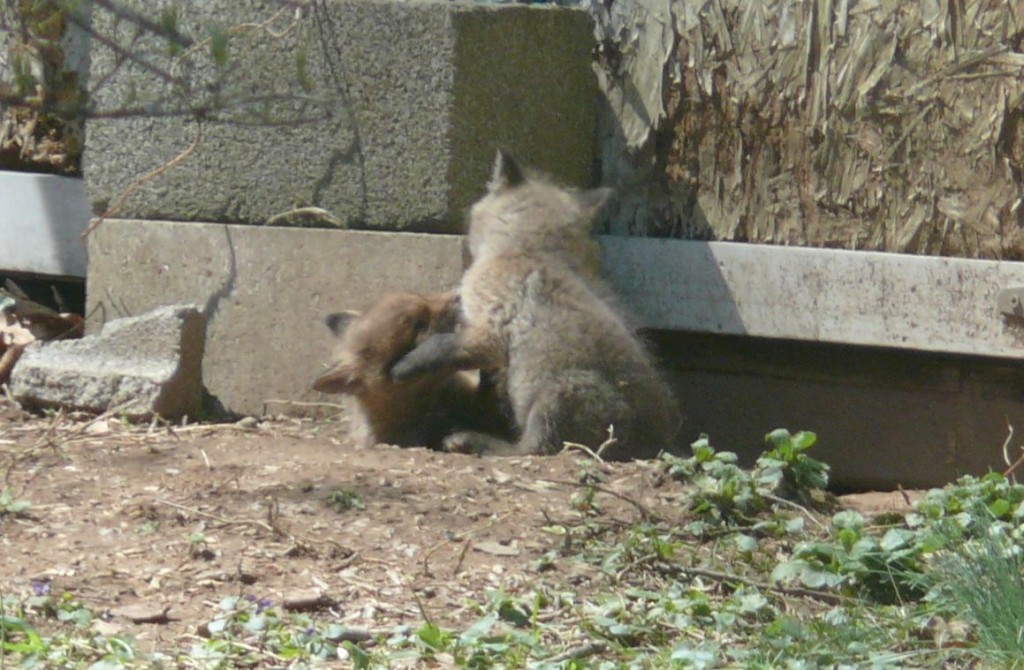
(482, 444)
(459, 443)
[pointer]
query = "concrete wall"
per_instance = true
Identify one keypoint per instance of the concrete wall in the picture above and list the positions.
(884, 417)
(385, 113)
(264, 291)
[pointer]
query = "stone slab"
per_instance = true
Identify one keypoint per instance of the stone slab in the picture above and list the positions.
(385, 113)
(264, 292)
(137, 366)
(820, 295)
(41, 219)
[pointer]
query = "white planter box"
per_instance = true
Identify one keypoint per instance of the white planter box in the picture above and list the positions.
(41, 220)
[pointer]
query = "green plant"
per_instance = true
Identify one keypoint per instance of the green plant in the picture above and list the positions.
(726, 493)
(342, 500)
(887, 568)
(11, 505)
(981, 579)
(1001, 500)
(766, 584)
(787, 471)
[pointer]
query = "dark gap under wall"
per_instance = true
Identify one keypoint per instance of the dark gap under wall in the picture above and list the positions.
(884, 418)
(59, 293)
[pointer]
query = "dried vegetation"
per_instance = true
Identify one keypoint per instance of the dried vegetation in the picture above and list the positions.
(879, 125)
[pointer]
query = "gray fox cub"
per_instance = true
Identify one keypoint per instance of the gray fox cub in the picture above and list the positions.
(529, 308)
(419, 412)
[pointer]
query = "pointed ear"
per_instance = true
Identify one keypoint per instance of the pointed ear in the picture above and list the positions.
(337, 379)
(591, 201)
(506, 173)
(339, 321)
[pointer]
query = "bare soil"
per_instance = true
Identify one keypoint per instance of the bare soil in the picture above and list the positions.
(138, 521)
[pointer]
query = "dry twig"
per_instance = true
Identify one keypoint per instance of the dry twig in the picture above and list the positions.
(579, 651)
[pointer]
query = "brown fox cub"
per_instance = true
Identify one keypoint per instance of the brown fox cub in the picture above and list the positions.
(418, 412)
(573, 366)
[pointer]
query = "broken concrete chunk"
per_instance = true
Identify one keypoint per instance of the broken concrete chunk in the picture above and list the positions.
(140, 366)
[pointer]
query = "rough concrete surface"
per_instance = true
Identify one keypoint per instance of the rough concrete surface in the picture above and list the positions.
(144, 365)
(264, 291)
(385, 113)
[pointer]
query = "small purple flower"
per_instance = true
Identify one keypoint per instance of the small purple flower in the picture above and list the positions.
(261, 603)
(311, 631)
(41, 588)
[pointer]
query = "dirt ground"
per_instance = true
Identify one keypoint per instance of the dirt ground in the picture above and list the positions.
(139, 521)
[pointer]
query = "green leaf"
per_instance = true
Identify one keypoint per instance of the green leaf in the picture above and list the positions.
(219, 45)
(794, 525)
(778, 437)
(302, 69)
(80, 616)
(479, 630)
(699, 658)
(848, 519)
(752, 603)
(702, 449)
(788, 570)
(515, 614)
(228, 604)
(360, 659)
(815, 579)
(896, 538)
(804, 440)
(433, 636)
(746, 543)
(217, 626)
(169, 24)
(257, 623)
(1000, 509)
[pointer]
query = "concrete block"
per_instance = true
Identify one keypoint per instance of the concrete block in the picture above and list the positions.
(385, 113)
(264, 292)
(143, 365)
(923, 303)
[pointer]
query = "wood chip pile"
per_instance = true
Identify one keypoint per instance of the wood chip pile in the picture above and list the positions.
(885, 125)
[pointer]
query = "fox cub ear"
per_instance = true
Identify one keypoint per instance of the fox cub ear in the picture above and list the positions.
(506, 172)
(339, 321)
(591, 201)
(338, 379)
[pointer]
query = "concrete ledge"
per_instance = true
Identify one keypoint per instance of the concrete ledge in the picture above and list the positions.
(903, 365)
(42, 218)
(921, 303)
(264, 292)
(386, 113)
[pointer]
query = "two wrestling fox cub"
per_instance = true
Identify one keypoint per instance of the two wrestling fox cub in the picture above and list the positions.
(557, 363)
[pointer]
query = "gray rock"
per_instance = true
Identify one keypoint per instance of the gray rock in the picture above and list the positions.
(142, 365)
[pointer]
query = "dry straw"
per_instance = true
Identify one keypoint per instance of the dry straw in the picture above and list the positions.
(881, 124)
